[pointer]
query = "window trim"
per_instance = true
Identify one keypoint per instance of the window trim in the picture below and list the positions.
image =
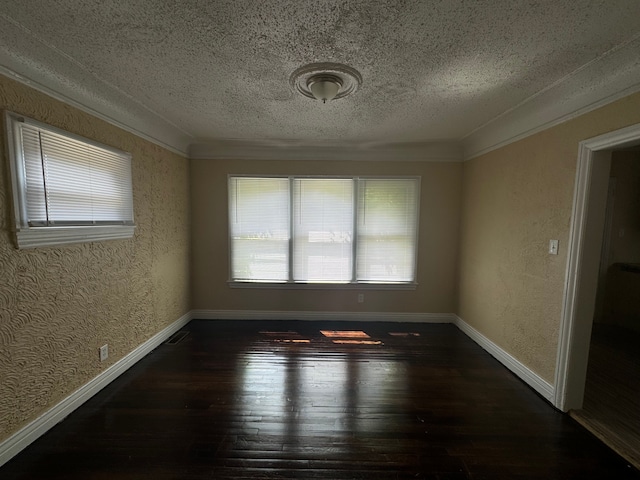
(291, 285)
(27, 236)
(354, 284)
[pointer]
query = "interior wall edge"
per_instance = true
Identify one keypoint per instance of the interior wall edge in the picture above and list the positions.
(531, 378)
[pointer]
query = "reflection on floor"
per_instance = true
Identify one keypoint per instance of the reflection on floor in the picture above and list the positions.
(611, 407)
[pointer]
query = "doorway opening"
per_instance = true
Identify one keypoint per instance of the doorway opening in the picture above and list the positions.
(591, 362)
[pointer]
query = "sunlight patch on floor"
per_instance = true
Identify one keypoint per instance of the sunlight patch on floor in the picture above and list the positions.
(344, 334)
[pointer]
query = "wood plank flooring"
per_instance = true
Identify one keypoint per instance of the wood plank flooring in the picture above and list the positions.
(281, 400)
(611, 407)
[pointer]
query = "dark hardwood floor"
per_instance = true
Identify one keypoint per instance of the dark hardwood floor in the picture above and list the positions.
(280, 400)
(611, 408)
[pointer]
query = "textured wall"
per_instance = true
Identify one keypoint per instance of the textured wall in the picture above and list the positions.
(59, 304)
(515, 199)
(437, 249)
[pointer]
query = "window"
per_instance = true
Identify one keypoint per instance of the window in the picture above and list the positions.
(297, 230)
(66, 189)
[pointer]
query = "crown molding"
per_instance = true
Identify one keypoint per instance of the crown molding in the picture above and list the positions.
(265, 150)
(145, 126)
(607, 78)
(32, 62)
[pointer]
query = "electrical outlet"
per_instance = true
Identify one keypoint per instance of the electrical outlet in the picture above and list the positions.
(361, 298)
(104, 352)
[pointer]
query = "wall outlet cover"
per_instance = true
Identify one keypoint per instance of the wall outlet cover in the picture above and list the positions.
(104, 352)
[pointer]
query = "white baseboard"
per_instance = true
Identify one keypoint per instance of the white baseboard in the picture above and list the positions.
(31, 432)
(527, 375)
(324, 315)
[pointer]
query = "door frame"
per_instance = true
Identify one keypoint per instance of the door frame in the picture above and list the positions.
(581, 277)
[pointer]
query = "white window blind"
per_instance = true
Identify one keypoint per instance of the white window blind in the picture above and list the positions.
(259, 228)
(387, 212)
(323, 229)
(71, 182)
(65, 188)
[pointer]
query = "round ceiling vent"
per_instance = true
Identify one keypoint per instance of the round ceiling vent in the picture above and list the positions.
(325, 81)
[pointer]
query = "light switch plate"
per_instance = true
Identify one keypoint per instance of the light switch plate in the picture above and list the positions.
(553, 247)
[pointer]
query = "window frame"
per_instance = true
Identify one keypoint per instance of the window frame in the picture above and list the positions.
(353, 284)
(29, 236)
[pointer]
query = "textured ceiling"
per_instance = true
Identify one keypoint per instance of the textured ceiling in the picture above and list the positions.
(216, 71)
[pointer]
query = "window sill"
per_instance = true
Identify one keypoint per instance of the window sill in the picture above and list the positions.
(324, 286)
(33, 237)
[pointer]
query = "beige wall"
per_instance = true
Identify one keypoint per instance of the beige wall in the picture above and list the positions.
(59, 304)
(515, 199)
(438, 237)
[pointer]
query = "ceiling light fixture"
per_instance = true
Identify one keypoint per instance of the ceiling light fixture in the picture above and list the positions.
(324, 87)
(325, 81)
